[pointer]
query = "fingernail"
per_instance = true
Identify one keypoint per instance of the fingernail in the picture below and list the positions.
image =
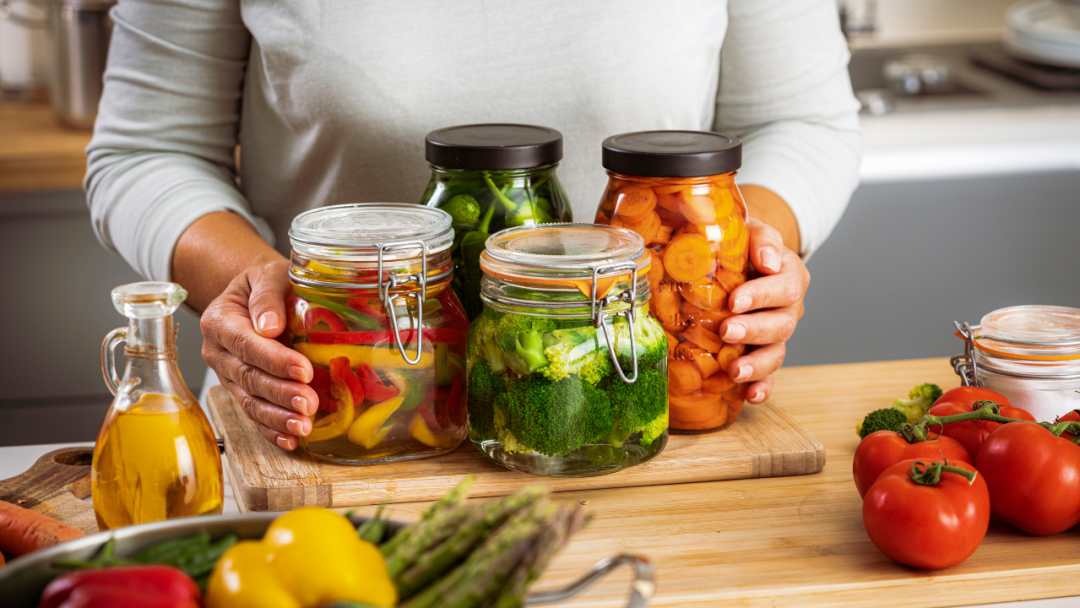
(299, 373)
(295, 427)
(267, 321)
(741, 304)
(758, 396)
(299, 404)
(283, 443)
(735, 332)
(745, 371)
(770, 259)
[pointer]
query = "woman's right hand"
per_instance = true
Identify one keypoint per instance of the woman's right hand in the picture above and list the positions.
(268, 380)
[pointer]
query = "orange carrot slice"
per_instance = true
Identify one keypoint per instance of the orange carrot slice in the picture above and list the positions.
(601, 218)
(647, 227)
(727, 279)
(683, 377)
(735, 402)
(693, 408)
(633, 202)
(705, 425)
(656, 269)
(704, 338)
(663, 235)
(727, 356)
(707, 365)
(718, 382)
(703, 293)
(688, 257)
(699, 205)
(710, 319)
(671, 218)
(664, 304)
(672, 343)
(736, 238)
(734, 263)
(670, 188)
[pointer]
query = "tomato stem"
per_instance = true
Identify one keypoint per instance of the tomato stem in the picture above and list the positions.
(981, 410)
(930, 475)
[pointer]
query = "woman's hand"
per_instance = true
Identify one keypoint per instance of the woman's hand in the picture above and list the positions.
(267, 379)
(767, 310)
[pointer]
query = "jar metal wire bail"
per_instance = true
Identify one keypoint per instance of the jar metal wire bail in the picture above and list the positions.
(964, 365)
(392, 282)
(599, 312)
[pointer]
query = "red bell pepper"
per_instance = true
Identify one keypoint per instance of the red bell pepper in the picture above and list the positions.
(374, 389)
(370, 306)
(429, 419)
(315, 315)
(123, 587)
(326, 402)
(452, 412)
(431, 336)
(342, 378)
(320, 380)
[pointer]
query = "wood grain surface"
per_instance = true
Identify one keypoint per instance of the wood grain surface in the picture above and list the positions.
(56, 486)
(797, 541)
(763, 442)
(36, 153)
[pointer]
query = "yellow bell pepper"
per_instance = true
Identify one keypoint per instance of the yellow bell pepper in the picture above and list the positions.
(368, 430)
(308, 558)
(420, 432)
(358, 354)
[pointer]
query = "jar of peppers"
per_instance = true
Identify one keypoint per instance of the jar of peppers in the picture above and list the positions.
(373, 311)
(567, 369)
(489, 177)
(677, 190)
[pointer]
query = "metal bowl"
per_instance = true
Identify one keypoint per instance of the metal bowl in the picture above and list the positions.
(23, 579)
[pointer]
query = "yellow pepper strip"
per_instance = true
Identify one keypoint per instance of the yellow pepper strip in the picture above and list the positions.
(358, 354)
(334, 424)
(319, 267)
(308, 558)
(420, 432)
(368, 430)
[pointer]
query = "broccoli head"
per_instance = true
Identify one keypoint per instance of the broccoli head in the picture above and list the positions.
(641, 406)
(552, 418)
(652, 344)
(483, 388)
(918, 402)
(531, 350)
(575, 352)
(886, 419)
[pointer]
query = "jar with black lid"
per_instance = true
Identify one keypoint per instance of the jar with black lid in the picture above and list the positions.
(489, 177)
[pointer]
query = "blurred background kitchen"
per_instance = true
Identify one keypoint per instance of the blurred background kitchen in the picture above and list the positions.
(970, 195)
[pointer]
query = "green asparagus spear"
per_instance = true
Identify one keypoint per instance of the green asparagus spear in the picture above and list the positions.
(551, 540)
(451, 499)
(425, 534)
(373, 529)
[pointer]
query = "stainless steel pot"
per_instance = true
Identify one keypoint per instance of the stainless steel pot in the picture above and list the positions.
(79, 32)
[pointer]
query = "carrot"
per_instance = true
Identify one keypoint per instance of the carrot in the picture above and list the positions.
(727, 356)
(664, 305)
(688, 257)
(23, 531)
(736, 238)
(670, 188)
(706, 364)
(633, 202)
(694, 408)
(734, 263)
(601, 218)
(669, 217)
(647, 227)
(735, 402)
(672, 342)
(663, 235)
(713, 423)
(724, 200)
(699, 205)
(704, 338)
(718, 382)
(711, 319)
(727, 279)
(703, 293)
(656, 269)
(683, 377)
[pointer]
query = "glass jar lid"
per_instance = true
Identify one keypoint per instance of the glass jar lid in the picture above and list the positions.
(493, 147)
(356, 232)
(1046, 333)
(672, 153)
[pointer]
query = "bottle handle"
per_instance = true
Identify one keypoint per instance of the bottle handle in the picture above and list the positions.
(108, 357)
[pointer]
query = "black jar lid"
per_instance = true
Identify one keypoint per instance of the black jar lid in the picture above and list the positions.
(672, 153)
(494, 147)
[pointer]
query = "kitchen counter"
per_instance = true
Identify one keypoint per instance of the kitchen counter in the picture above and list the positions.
(769, 542)
(36, 153)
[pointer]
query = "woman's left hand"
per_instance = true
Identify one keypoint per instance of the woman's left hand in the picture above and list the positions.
(767, 310)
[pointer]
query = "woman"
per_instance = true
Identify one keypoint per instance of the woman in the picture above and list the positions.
(330, 102)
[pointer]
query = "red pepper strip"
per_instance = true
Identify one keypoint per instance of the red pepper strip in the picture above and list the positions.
(453, 411)
(429, 418)
(315, 316)
(374, 389)
(432, 336)
(320, 380)
(370, 306)
(326, 402)
(342, 375)
(156, 581)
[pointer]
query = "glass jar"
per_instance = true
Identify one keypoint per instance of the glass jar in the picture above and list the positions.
(562, 383)
(491, 177)
(1029, 354)
(676, 189)
(373, 311)
(155, 457)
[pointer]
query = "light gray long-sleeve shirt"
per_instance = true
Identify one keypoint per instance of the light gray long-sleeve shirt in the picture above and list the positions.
(330, 101)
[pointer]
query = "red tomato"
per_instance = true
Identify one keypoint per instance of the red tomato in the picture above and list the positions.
(1073, 416)
(962, 400)
(927, 527)
(1034, 478)
(880, 450)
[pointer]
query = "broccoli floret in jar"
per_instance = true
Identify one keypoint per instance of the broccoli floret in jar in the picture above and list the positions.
(576, 352)
(641, 406)
(552, 418)
(651, 341)
(484, 387)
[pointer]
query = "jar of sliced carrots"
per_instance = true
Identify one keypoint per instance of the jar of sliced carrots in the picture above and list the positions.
(373, 311)
(677, 190)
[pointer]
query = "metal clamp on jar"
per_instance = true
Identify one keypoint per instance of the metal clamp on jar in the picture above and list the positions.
(1029, 354)
(373, 311)
(567, 368)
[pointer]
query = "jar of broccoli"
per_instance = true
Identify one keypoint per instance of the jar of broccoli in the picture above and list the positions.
(490, 177)
(566, 367)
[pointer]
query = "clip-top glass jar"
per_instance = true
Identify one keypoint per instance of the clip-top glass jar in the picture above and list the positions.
(489, 177)
(677, 190)
(1029, 354)
(567, 368)
(373, 311)
(155, 456)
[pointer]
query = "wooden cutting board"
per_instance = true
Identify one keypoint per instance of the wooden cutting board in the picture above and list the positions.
(56, 486)
(763, 442)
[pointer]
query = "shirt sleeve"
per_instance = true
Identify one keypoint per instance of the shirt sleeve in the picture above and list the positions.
(163, 151)
(785, 91)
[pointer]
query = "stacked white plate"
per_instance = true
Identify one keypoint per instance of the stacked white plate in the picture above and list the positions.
(1044, 31)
